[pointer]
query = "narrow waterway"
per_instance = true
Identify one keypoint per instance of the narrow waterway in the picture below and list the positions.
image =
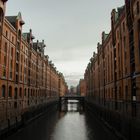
(74, 124)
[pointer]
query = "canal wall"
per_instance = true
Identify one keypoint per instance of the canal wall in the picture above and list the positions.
(29, 116)
(124, 127)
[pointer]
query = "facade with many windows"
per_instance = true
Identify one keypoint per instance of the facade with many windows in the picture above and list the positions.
(113, 74)
(27, 78)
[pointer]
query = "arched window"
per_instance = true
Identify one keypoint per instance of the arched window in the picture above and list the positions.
(3, 91)
(20, 92)
(10, 92)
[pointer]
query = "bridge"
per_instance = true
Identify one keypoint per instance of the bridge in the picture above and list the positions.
(63, 101)
(72, 97)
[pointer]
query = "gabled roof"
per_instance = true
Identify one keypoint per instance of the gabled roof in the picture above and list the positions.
(13, 19)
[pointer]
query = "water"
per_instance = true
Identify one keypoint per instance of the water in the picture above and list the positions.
(71, 125)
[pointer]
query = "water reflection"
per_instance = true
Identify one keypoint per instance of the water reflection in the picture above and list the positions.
(70, 125)
(72, 106)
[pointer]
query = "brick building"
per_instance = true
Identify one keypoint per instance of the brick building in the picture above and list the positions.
(112, 75)
(28, 79)
(63, 87)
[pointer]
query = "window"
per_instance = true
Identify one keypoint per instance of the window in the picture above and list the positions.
(11, 51)
(15, 104)
(6, 33)
(16, 78)
(31, 92)
(126, 92)
(124, 40)
(3, 91)
(20, 77)
(1, 19)
(125, 57)
(11, 67)
(120, 92)
(19, 34)
(18, 45)
(115, 52)
(28, 93)
(21, 58)
(138, 8)
(11, 64)
(17, 57)
(115, 75)
(21, 69)
(16, 67)
(16, 93)
(4, 72)
(10, 74)
(20, 92)
(4, 67)
(25, 92)
(124, 26)
(125, 70)
(10, 91)
(139, 38)
(5, 48)
(12, 39)
(118, 34)
(5, 61)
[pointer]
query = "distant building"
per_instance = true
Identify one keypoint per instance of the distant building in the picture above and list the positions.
(81, 88)
(73, 90)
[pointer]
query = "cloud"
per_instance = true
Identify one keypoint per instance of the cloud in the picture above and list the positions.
(73, 78)
(70, 28)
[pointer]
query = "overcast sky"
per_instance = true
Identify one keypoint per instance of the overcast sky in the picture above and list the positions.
(70, 28)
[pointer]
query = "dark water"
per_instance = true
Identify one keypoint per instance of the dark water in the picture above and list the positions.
(70, 125)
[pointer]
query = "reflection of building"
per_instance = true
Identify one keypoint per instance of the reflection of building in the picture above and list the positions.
(27, 78)
(81, 88)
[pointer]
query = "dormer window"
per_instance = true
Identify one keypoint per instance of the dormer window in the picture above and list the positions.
(32, 37)
(22, 22)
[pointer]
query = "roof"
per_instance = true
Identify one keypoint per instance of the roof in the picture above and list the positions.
(12, 20)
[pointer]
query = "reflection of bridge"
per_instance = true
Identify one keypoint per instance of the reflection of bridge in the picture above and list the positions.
(63, 101)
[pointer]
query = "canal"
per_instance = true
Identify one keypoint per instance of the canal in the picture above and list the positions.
(73, 124)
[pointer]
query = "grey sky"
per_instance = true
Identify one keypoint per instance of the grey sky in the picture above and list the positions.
(70, 28)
